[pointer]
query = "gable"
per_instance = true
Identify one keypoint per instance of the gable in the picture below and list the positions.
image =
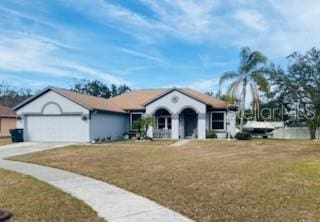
(51, 102)
(175, 101)
(201, 97)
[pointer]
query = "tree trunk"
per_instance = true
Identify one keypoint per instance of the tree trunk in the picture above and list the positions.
(313, 133)
(243, 103)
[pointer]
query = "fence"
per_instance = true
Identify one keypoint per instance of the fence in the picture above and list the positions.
(294, 133)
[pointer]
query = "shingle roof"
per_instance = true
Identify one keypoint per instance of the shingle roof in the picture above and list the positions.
(134, 100)
(91, 102)
(209, 100)
(6, 112)
(138, 99)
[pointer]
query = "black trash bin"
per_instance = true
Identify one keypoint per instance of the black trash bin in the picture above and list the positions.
(16, 135)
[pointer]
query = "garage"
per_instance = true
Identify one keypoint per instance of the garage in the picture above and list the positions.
(55, 128)
(61, 115)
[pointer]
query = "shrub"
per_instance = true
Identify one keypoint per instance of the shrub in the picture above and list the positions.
(211, 135)
(243, 136)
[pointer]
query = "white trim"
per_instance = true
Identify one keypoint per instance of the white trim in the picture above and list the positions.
(130, 123)
(224, 121)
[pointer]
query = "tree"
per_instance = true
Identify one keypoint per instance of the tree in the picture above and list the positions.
(250, 73)
(142, 125)
(123, 89)
(298, 88)
(313, 125)
(11, 96)
(98, 88)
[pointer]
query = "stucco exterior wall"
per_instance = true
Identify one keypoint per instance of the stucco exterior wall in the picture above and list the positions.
(230, 124)
(175, 108)
(183, 102)
(104, 125)
(5, 125)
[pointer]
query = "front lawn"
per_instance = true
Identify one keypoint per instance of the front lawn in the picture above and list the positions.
(213, 180)
(32, 200)
(5, 141)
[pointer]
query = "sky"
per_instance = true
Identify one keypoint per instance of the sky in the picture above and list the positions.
(146, 43)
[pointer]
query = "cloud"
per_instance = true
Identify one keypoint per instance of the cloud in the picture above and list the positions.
(38, 55)
(274, 27)
(205, 85)
(120, 18)
(251, 18)
(189, 19)
(282, 26)
(86, 71)
(142, 55)
(207, 61)
(26, 83)
(36, 19)
(202, 85)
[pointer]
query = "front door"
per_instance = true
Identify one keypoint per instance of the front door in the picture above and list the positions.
(190, 124)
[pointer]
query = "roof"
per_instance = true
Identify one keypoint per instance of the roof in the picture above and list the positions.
(87, 101)
(7, 112)
(134, 100)
(91, 102)
(138, 99)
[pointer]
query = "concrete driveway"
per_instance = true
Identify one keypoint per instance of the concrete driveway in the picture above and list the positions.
(27, 147)
(110, 202)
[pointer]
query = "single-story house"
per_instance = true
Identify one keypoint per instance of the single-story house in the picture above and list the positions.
(56, 114)
(7, 121)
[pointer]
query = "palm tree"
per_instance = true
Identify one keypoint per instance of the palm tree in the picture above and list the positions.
(250, 73)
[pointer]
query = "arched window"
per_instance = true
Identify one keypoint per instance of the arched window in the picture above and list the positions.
(163, 120)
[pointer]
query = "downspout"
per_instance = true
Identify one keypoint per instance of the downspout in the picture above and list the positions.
(90, 126)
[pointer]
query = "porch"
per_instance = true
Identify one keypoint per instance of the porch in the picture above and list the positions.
(183, 125)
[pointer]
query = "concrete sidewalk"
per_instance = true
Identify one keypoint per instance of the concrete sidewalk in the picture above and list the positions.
(110, 202)
(180, 143)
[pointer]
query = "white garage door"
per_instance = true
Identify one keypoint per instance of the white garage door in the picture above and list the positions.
(56, 128)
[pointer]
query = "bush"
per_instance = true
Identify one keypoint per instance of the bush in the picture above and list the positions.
(243, 136)
(211, 135)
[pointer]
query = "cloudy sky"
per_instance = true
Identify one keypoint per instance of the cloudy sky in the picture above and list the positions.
(146, 43)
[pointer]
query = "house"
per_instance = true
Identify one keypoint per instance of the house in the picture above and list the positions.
(7, 121)
(56, 114)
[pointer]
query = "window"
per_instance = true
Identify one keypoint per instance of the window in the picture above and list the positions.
(134, 117)
(164, 122)
(218, 120)
(169, 122)
(161, 122)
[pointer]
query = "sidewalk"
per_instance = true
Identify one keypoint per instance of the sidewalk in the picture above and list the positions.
(110, 202)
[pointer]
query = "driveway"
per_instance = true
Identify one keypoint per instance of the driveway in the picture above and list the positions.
(27, 147)
(110, 202)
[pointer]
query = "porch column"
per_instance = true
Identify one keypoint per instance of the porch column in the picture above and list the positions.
(175, 126)
(201, 125)
(150, 132)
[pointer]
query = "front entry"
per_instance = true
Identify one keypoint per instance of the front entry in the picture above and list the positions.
(190, 122)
